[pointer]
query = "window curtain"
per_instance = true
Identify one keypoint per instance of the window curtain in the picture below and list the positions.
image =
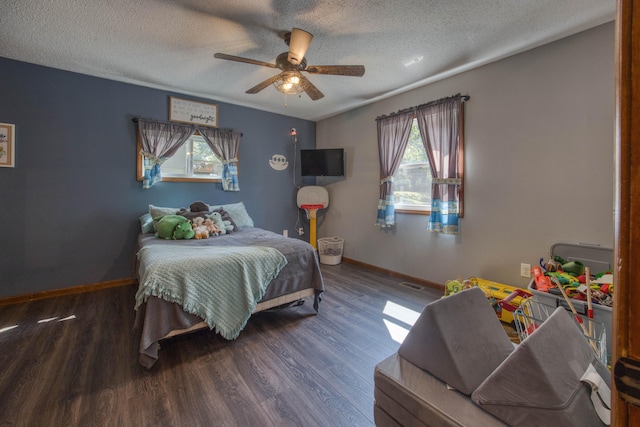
(439, 126)
(393, 135)
(225, 143)
(159, 140)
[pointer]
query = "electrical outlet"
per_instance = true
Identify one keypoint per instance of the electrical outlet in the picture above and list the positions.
(525, 270)
(285, 233)
(300, 231)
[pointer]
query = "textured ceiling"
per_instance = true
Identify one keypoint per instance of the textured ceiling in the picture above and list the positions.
(169, 44)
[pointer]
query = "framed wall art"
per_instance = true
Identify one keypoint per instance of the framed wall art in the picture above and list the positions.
(7, 145)
(193, 112)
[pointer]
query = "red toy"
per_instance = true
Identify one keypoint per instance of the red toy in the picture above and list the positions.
(543, 283)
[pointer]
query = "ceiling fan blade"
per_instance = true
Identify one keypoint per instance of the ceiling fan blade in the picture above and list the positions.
(298, 45)
(313, 92)
(245, 60)
(257, 88)
(337, 70)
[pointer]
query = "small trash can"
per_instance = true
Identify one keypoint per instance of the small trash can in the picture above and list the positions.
(330, 250)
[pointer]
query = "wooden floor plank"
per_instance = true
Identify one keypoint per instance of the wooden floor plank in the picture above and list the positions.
(73, 360)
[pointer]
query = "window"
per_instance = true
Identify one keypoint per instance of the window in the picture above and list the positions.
(412, 181)
(441, 124)
(194, 161)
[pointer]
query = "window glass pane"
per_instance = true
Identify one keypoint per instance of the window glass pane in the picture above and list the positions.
(413, 185)
(176, 165)
(412, 182)
(204, 161)
(194, 159)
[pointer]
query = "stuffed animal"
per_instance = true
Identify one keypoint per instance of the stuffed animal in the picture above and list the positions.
(167, 225)
(183, 231)
(226, 217)
(201, 231)
(228, 226)
(196, 210)
(211, 227)
(216, 218)
(199, 207)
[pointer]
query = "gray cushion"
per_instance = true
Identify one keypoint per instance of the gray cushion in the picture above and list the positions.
(458, 339)
(413, 397)
(539, 383)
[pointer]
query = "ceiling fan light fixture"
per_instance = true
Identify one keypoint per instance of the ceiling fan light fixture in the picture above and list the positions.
(298, 45)
(289, 83)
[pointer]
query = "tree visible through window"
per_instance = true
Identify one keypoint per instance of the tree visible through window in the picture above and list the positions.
(412, 181)
(194, 159)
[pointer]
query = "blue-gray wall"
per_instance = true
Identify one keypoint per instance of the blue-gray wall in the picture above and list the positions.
(70, 207)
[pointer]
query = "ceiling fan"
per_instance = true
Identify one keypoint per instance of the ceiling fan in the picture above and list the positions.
(290, 80)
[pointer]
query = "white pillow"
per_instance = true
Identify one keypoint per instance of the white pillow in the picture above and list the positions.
(237, 212)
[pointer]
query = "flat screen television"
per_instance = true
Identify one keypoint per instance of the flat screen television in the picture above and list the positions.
(322, 162)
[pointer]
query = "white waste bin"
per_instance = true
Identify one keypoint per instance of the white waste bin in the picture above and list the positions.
(330, 250)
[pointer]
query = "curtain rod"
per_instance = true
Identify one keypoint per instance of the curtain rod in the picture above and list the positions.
(136, 119)
(428, 104)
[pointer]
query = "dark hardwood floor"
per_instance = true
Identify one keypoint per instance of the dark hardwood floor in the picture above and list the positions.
(73, 360)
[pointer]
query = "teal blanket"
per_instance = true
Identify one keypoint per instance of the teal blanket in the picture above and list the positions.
(222, 285)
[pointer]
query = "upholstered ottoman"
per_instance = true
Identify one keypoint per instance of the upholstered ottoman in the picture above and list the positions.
(406, 395)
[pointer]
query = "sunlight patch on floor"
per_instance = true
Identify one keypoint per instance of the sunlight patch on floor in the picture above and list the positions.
(7, 328)
(400, 314)
(396, 332)
(51, 319)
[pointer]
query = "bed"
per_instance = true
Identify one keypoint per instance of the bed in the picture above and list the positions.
(186, 285)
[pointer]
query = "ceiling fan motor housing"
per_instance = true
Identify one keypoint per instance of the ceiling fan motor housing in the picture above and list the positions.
(282, 62)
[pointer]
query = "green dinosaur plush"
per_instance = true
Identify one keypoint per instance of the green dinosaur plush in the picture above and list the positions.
(168, 224)
(183, 231)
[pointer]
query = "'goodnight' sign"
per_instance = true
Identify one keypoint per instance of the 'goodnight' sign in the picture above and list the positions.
(193, 112)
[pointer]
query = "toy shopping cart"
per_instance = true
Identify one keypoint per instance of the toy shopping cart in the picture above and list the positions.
(532, 313)
(503, 298)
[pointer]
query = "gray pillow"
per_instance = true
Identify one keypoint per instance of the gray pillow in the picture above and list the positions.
(158, 212)
(539, 383)
(458, 339)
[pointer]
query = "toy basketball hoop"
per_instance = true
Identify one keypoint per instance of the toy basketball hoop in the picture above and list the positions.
(312, 198)
(311, 210)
